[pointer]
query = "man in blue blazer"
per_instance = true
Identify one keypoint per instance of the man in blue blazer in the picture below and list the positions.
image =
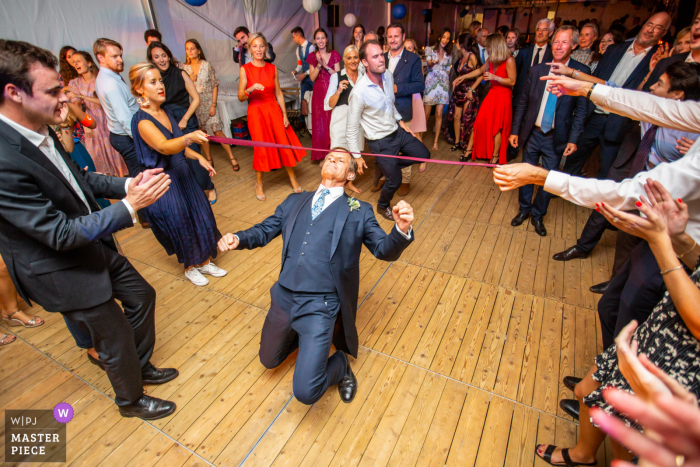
(547, 125)
(314, 301)
(625, 64)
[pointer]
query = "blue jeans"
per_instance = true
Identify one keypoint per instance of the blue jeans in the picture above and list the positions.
(538, 144)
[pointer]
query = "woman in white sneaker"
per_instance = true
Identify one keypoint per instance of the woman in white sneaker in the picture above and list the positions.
(181, 220)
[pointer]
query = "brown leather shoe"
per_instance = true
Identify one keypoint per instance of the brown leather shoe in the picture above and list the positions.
(404, 189)
(378, 187)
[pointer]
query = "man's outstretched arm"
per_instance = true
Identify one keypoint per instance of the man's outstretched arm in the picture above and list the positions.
(257, 236)
(388, 247)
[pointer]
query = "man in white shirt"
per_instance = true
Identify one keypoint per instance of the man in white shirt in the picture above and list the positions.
(55, 239)
(371, 105)
(301, 72)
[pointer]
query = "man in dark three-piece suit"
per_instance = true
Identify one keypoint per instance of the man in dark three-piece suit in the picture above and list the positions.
(57, 242)
(547, 125)
(314, 301)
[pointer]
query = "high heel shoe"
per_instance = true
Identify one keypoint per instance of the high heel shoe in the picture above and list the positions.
(466, 156)
(236, 167)
(457, 146)
(213, 202)
(12, 322)
(296, 190)
(261, 197)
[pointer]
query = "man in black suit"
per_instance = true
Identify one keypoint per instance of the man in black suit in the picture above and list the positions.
(547, 126)
(314, 302)
(538, 52)
(240, 52)
(625, 64)
(57, 242)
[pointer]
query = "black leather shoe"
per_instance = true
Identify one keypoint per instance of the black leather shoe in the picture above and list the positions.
(385, 213)
(600, 288)
(95, 361)
(570, 406)
(148, 408)
(348, 386)
(519, 219)
(569, 254)
(571, 381)
(153, 375)
(539, 227)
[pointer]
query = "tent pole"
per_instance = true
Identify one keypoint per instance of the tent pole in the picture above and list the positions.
(150, 14)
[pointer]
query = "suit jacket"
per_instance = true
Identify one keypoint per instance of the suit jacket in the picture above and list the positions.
(661, 67)
(270, 50)
(570, 111)
(51, 244)
(351, 231)
(522, 68)
(617, 125)
(408, 78)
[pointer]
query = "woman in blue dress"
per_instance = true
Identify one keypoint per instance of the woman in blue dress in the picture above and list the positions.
(182, 219)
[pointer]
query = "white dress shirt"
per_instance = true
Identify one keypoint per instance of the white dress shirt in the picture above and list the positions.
(373, 108)
(542, 50)
(624, 68)
(393, 61)
(300, 63)
(116, 100)
(543, 104)
(46, 145)
(681, 177)
(689, 58)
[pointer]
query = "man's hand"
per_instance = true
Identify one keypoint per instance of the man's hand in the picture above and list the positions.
(570, 149)
(300, 76)
(396, 90)
(562, 86)
(405, 127)
(361, 165)
(512, 176)
(142, 195)
(403, 216)
(684, 145)
(228, 242)
(148, 174)
(513, 140)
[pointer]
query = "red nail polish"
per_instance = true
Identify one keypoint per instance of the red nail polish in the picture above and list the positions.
(638, 203)
(680, 200)
(597, 209)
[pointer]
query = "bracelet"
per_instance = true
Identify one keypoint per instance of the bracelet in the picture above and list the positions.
(588, 96)
(88, 121)
(691, 249)
(672, 269)
(574, 75)
(187, 141)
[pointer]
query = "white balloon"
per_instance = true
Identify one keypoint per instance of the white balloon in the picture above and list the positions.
(349, 20)
(312, 6)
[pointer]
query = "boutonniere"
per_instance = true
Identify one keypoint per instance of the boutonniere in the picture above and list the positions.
(354, 204)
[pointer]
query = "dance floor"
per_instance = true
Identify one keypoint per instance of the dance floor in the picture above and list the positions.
(464, 342)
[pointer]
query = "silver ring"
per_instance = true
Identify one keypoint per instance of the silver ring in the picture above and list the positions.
(616, 219)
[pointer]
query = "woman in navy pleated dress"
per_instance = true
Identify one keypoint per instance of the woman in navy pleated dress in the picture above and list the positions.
(182, 219)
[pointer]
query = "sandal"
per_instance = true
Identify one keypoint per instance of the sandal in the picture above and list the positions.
(5, 336)
(547, 457)
(261, 197)
(297, 190)
(32, 323)
(236, 167)
(466, 157)
(457, 146)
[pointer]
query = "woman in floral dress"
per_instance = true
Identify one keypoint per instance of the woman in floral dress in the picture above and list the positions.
(204, 78)
(82, 93)
(437, 83)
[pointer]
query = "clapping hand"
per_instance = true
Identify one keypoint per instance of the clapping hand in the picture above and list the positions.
(228, 242)
(662, 52)
(142, 195)
(64, 112)
(403, 216)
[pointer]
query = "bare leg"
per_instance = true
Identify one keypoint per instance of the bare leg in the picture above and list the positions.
(206, 151)
(259, 193)
(496, 147)
(227, 148)
(458, 122)
(8, 298)
(438, 124)
(293, 179)
(470, 145)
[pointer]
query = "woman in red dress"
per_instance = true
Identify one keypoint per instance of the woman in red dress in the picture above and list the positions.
(322, 64)
(267, 116)
(496, 112)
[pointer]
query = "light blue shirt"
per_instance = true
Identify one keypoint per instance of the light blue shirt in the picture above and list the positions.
(116, 100)
(663, 149)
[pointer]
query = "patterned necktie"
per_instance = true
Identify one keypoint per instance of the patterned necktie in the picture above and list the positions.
(548, 116)
(318, 205)
(643, 151)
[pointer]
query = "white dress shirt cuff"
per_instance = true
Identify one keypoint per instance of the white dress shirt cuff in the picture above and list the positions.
(408, 235)
(557, 182)
(600, 93)
(128, 206)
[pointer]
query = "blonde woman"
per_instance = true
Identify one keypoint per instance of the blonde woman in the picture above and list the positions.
(204, 78)
(496, 111)
(336, 100)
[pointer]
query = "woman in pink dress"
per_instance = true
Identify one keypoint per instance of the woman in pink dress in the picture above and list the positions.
(322, 64)
(82, 93)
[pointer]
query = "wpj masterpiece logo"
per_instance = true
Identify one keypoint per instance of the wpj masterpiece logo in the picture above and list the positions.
(36, 435)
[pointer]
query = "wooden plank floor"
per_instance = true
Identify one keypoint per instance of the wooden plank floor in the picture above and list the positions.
(464, 342)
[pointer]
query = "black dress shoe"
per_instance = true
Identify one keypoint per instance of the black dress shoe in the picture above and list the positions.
(519, 219)
(571, 381)
(600, 288)
(95, 361)
(348, 385)
(570, 406)
(386, 213)
(569, 254)
(153, 375)
(148, 408)
(539, 227)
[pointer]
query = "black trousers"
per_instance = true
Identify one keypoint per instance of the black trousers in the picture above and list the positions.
(124, 339)
(538, 144)
(124, 145)
(591, 137)
(306, 321)
(632, 294)
(399, 141)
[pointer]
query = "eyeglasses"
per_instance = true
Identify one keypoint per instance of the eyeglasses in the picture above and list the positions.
(655, 27)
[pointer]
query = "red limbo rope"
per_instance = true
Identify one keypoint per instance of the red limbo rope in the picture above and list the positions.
(261, 144)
